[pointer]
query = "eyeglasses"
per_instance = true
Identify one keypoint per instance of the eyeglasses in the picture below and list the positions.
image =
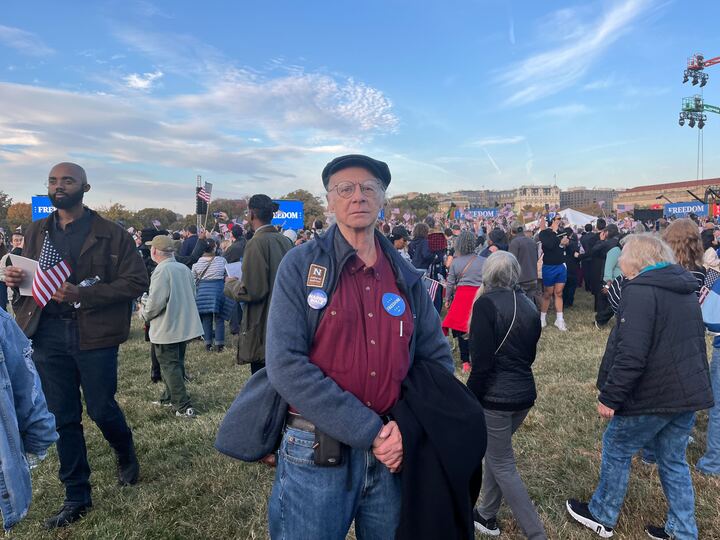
(369, 188)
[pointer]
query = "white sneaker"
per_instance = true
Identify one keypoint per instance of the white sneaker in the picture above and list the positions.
(189, 413)
(560, 325)
(162, 403)
(543, 323)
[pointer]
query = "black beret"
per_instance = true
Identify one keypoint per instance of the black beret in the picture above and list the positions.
(378, 168)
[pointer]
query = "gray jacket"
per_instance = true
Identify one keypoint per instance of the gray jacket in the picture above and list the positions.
(464, 270)
(526, 252)
(292, 326)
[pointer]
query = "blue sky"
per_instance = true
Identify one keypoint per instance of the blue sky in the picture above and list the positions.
(258, 96)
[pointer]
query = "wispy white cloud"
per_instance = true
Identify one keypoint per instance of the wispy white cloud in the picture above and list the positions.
(601, 84)
(570, 110)
(23, 41)
(549, 72)
(144, 81)
(494, 141)
(511, 31)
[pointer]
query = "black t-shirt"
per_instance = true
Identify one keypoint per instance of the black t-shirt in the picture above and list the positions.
(553, 253)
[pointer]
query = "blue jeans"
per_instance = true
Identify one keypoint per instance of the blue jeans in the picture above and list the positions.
(63, 370)
(207, 324)
(624, 436)
(320, 503)
(710, 462)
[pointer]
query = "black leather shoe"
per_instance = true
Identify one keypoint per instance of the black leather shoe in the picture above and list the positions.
(68, 514)
(128, 469)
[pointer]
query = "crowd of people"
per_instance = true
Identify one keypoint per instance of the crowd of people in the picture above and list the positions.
(365, 433)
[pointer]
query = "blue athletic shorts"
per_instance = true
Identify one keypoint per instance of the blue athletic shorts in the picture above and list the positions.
(553, 274)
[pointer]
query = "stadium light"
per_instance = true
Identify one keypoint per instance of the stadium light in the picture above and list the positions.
(681, 121)
(691, 123)
(685, 78)
(701, 124)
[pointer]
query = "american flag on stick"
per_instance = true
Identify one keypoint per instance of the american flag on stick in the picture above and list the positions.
(51, 273)
(205, 192)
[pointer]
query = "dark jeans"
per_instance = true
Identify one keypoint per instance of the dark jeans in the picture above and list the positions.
(171, 358)
(64, 369)
(604, 310)
(463, 344)
(569, 290)
(207, 324)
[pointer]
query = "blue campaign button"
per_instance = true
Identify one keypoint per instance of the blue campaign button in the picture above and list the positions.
(393, 304)
(317, 299)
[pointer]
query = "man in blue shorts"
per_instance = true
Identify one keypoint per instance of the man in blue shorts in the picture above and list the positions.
(554, 271)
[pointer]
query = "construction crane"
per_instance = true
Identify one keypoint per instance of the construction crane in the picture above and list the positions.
(693, 110)
(695, 66)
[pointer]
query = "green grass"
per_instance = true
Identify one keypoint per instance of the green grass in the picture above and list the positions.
(188, 490)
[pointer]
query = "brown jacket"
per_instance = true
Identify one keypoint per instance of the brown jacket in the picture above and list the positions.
(262, 257)
(105, 308)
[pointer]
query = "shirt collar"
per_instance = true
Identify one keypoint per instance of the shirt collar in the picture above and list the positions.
(356, 264)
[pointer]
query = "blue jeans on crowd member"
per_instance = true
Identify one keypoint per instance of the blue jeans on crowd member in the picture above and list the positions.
(63, 370)
(309, 502)
(624, 436)
(710, 462)
(207, 324)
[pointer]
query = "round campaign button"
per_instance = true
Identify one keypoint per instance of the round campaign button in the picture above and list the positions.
(393, 304)
(317, 299)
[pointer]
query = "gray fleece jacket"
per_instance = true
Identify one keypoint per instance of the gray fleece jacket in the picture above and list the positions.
(292, 325)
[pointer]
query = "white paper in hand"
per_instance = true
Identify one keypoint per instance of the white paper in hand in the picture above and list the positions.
(29, 267)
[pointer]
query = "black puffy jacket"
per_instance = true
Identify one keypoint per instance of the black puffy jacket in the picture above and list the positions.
(655, 361)
(504, 381)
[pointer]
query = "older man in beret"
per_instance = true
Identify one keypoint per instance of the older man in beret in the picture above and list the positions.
(348, 318)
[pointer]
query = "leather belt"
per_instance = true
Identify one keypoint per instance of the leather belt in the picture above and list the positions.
(298, 422)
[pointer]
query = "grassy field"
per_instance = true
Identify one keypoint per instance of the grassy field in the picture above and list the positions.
(189, 491)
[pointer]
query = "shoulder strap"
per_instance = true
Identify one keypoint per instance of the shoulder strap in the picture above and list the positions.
(511, 322)
(472, 260)
(206, 268)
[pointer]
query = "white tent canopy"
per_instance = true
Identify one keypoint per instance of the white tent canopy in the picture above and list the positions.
(570, 216)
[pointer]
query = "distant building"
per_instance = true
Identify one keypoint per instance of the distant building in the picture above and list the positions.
(537, 196)
(656, 195)
(580, 197)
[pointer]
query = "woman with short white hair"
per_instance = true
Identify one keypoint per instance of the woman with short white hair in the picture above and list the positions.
(653, 377)
(504, 331)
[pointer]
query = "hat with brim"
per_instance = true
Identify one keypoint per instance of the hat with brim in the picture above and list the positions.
(161, 243)
(379, 169)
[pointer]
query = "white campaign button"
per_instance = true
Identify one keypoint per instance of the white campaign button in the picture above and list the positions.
(317, 299)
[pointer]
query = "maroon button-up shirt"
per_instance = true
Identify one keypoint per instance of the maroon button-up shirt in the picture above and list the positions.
(358, 344)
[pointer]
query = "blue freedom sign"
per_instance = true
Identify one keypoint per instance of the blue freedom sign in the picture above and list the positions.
(476, 213)
(41, 207)
(290, 215)
(683, 209)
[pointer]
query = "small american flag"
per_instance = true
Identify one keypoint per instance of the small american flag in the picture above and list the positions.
(51, 273)
(432, 287)
(205, 192)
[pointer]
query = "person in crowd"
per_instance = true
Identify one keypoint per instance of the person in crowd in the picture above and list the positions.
(172, 324)
(18, 242)
(3, 288)
(177, 241)
(191, 238)
(28, 428)
(209, 274)
(260, 263)
(683, 237)
(650, 388)
(237, 249)
(709, 463)
(291, 236)
(419, 249)
(437, 244)
(504, 332)
(77, 333)
(594, 258)
(464, 279)
(587, 241)
(525, 251)
(317, 229)
(572, 263)
(608, 249)
(374, 305)
(399, 239)
(496, 240)
(554, 272)
(711, 260)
